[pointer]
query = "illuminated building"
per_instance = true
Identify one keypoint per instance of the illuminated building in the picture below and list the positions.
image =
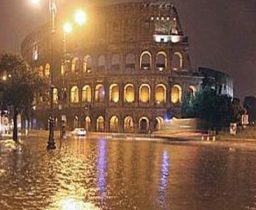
(126, 71)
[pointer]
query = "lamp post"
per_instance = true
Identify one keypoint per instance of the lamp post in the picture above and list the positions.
(52, 10)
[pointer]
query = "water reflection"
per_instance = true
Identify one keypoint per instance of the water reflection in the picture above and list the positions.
(101, 167)
(101, 174)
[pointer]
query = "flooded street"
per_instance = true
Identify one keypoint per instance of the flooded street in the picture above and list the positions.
(91, 174)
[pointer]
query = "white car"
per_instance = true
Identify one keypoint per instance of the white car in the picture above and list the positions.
(78, 132)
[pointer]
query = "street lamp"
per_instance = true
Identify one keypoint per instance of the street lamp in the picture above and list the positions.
(80, 17)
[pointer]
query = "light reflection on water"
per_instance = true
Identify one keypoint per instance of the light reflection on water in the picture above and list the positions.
(97, 174)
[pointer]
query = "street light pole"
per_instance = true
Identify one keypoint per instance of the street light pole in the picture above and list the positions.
(53, 10)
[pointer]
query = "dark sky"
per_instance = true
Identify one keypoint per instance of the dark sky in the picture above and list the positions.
(222, 34)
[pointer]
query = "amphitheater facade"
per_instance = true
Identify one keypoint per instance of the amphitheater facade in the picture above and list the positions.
(128, 70)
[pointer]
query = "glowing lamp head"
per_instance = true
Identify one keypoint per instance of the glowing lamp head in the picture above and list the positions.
(35, 2)
(80, 17)
(67, 28)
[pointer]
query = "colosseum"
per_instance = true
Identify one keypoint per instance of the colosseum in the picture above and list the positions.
(127, 70)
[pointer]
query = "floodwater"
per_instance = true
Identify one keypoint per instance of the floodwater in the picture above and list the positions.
(92, 174)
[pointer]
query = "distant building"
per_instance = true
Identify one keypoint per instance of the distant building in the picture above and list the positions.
(217, 80)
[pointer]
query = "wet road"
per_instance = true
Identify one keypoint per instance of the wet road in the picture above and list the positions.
(91, 174)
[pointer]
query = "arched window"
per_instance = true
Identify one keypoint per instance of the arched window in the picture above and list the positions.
(114, 93)
(87, 123)
(55, 95)
(41, 71)
(145, 60)
(47, 70)
(129, 93)
(177, 61)
(101, 61)
(161, 61)
(113, 124)
(144, 93)
(128, 125)
(74, 95)
(99, 93)
(176, 94)
(76, 122)
(86, 94)
(100, 124)
(115, 61)
(191, 90)
(159, 123)
(87, 64)
(130, 61)
(144, 124)
(160, 94)
(75, 64)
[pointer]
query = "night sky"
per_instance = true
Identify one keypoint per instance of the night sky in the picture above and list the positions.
(222, 34)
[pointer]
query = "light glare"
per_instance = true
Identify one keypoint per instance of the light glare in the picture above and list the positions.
(80, 17)
(67, 27)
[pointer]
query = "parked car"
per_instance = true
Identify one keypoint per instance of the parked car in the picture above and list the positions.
(78, 132)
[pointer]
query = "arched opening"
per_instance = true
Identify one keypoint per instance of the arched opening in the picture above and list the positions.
(86, 94)
(145, 60)
(41, 71)
(176, 94)
(100, 124)
(55, 95)
(191, 90)
(115, 61)
(144, 125)
(177, 61)
(87, 64)
(76, 122)
(128, 125)
(160, 94)
(87, 123)
(144, 93)
(114, 93)
(159, 123)
(130, 61)
(161, 61)
(47, 70)
(75, 64)
(113, 124)
(129, 93)
(99, 93)
(101, 61)
(74, 94)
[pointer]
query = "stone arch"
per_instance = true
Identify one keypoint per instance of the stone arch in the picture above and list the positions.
(144, 125)
(76, 122)
(115, 60)
(86, 93)
(145, 60)
(99, 93)
(159, 123)
(74, 94)
(47, 70)
(177, 61)
(191, 90)
(113, 124)
(87, 64)
(114, 93)
(55, 95)
(144, 93)
(160, 93)
(75, 64)
(128, 124)
(102, 61)
(130, 61)
(129, 93)
(176, 94)
(100, 124)
(87, 123)
(161, 61)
